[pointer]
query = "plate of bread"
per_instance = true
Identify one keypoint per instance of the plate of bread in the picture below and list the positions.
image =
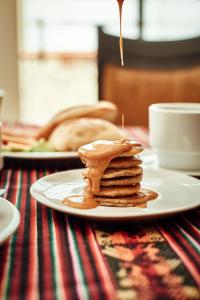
(62, 135)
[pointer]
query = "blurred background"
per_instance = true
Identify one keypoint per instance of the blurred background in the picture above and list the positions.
(48, 53)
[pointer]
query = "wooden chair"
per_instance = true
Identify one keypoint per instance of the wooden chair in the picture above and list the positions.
(154, 72)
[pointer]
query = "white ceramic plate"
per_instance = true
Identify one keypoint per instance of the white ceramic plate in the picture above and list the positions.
(177, 193)
(150, 162)
(9, 219)
(40, 155)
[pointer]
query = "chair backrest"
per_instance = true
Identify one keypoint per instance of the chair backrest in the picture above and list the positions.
(158, 71)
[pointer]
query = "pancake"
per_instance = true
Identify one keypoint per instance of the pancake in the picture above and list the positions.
(125, 162)
(116, 191)
(120, 181)
(113, 173)
(135, 200)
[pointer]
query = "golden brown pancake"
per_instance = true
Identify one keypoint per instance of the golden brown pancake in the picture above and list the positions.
(123, 201)
(125, 162)
(113, 173)
(120, 181)
(116, 191)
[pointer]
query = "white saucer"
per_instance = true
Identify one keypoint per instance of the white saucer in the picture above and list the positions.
(9, 219)
(150, 161)
(177, 193)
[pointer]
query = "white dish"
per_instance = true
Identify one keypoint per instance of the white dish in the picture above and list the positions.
(150, 162)
(9, 219)
(177, 193)
(40, 155)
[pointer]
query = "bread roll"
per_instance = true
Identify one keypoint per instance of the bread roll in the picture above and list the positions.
(70, 135)
(103, 110)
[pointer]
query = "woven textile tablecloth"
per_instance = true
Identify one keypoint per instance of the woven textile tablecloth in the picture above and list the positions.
(55, 256)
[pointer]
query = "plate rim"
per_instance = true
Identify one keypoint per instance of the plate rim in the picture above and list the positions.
(43, 200)
(13, 224)
(39, 155)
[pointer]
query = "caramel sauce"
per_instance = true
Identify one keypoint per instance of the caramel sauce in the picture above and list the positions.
(122, 121)
(120, 4)
(85, 202)
(152, 195)
(79, 196)
(81, 202)
(104, 149)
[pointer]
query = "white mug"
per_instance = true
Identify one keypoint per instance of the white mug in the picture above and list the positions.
(175, 134)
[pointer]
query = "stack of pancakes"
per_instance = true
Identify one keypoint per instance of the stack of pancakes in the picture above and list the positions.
(120, 181)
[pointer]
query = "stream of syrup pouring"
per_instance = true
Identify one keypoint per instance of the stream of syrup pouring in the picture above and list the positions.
(120, 4)
(122, 121)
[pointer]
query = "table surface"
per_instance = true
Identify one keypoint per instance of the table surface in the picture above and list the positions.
(56, 256)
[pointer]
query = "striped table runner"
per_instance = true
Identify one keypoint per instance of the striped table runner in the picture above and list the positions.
(55, 256)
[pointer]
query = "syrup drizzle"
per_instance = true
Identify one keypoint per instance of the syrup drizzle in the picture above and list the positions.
(122, 121)
(120, 4)
(85, 202)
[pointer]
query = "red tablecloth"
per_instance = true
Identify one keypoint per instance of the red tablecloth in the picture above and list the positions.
(55, 256)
